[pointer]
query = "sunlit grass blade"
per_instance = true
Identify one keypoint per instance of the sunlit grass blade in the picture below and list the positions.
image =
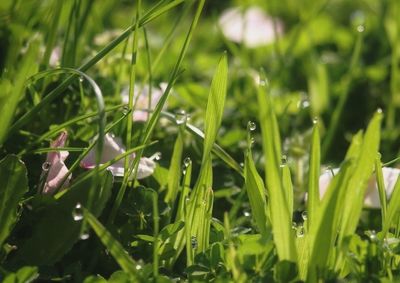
(113, 246)
(360, 177)
(174, 171)
(323, 232)
(278, 202)
(256, 192)
(381, 187)
(180, 237)
(393, 209)
(215, 106)
(313, 176)
(288, 187)
(200, 203)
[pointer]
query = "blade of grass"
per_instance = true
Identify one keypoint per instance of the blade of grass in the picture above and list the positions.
(145, 137)
(393, 209)
(360, 177)
(278, 202)
(313, 176)
(256, 192)
(381, 186)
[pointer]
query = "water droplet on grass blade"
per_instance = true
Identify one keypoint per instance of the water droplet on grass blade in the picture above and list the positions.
(157, 156)
(251, 126)
(181, 117)
(84, 235)
(46, 166)
(315, 120)
(125, 109)
(360, 28)
(304, 215)
(193, 241)
(187, 161)
(300, 231)
(77, 213)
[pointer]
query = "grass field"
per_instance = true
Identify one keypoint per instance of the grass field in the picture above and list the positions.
(199, 141)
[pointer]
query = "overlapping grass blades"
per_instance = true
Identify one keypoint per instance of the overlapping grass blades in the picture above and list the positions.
(278, 196)
(199, 207)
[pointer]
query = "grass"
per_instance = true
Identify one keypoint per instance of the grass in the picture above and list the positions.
(243, 132)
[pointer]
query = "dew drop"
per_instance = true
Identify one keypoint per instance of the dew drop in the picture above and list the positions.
(251, 126)
(372, 236)
(125, 109)
(246, 214)
(241, 164)
(181, 117)
(84, 236)
(294, 225)
(77, 213)
(46, 166)
(300, 231)
(263, 82)
(379, 110)
(315, 120)
(360, 28)
(193, 241)
(284, 159)
(138, 267)
(304, 215)
(157, 156)
(81, 79)
(187, 161)
(304, 103)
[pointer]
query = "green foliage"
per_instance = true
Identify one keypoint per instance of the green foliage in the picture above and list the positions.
(224, 201)
(13, 186)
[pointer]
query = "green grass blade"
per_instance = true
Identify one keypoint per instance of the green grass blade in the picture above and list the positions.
(360, 177)
(174, 172)
(13, 185)
(288, 187)
(256, 192)
(323, 232)
(113, 246)
(278, 202)
(313, 176)
(381, 187)
(393, 209)
(215, 106)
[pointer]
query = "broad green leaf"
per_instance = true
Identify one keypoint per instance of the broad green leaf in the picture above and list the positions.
(256, 192)
(278, 202)
(56, 231)
(13, 185)
(114, 247)
(313, 176)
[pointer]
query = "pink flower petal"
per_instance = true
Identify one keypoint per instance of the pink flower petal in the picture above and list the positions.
(57, 169)
(112, 148)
